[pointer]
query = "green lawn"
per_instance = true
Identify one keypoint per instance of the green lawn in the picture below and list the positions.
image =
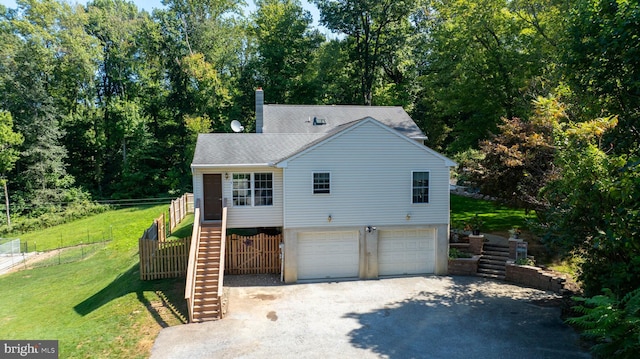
(496, 218)
(96, 307)
(118, 224)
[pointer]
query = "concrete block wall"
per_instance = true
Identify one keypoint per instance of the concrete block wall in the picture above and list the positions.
(464, 266)
(534, 277)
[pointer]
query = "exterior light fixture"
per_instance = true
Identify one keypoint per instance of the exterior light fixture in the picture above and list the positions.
(226, 175)
(408, 216)
(329, 218)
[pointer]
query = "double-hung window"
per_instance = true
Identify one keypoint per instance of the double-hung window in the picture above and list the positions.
(263, 183)
(420, 187)
(321, 183)
(252, 189)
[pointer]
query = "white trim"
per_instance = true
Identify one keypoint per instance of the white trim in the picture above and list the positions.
(218, 166)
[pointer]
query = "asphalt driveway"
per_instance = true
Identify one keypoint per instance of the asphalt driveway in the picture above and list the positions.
(418, 317)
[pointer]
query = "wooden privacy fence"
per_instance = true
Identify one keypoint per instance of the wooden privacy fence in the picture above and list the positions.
(157, 231)
(163, 259)
(179, 208)
(259, 254)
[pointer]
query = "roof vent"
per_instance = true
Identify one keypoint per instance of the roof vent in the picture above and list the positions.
(319, 121)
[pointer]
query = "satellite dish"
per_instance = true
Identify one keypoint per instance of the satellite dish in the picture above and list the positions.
(236, 126)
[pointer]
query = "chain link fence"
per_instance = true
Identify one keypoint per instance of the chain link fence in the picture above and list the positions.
(10, 254)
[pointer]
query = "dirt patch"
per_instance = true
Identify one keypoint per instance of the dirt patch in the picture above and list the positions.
(252, 280)
(33, 260)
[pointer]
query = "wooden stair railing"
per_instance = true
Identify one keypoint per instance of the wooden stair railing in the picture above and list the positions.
(189, 291)
(204, 288)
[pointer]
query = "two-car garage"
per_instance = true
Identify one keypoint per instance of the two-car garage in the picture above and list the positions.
(337, 254)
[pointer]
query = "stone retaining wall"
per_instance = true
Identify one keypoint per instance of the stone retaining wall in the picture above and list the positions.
(463, 266)
(535, 277)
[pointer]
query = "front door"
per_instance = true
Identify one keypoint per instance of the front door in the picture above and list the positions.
(212, 197)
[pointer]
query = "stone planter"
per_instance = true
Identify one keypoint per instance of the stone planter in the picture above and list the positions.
(464, 266)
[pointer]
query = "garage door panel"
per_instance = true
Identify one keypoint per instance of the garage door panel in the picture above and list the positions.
(324, 255)
(406, 252)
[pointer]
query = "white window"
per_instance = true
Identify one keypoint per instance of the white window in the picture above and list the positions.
(321, 183)
(252, 189)
(263, 184)
(420, 187)
(242, 189)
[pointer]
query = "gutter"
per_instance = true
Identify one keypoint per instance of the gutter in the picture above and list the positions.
(223, 166)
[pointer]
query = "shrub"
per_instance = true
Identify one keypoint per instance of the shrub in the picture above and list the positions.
(456, 253)
(526, 262)
(613, 324)
(53, 217)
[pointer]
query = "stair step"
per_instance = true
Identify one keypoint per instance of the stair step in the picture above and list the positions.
(206, 265)
(207, 316)
(491, 266)
(204, 316)
(205, 281)
(206, 262)
(495, 253)
(206, 291)
(501, 262)
(205, 301)
(495, 257)
(204, 275)
(497, 246)
(491, 271)
(208, 255)
(206, 294)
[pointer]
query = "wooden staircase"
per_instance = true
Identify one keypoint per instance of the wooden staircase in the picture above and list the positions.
(493, 261)
(207, 305)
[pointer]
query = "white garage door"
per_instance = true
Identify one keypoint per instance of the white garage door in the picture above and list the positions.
(324, 255)
(406, 251)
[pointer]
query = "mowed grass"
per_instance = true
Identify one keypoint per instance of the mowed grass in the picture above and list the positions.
(118, 224)
(97, 307)
(496, 217)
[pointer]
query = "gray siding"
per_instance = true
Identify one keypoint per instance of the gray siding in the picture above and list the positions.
(371, 177)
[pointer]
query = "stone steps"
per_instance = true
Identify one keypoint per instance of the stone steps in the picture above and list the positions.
(493, 261)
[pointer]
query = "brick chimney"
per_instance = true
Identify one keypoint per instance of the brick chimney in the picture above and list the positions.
(259, 109)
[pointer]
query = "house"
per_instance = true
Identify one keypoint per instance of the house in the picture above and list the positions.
(353, 189)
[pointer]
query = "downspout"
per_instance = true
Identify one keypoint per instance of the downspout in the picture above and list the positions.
(284, 224)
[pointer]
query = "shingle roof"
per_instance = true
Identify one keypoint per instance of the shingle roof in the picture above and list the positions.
(248, 148)
(299, 118)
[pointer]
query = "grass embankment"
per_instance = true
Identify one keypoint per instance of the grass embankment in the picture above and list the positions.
(97, 307)
(497, 218)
